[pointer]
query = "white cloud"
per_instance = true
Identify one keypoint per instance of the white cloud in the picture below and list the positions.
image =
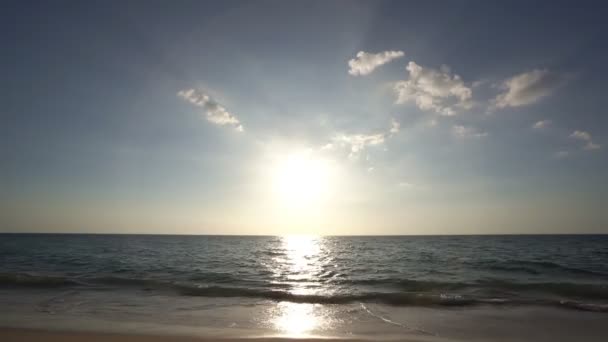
(592, 146)
(328, 146)
(395, 126)
(581, 135)
(367, 62)
(433, 90)
(358, 142)
(467, 132)
(215, 112)
(528, 88)
(542, 124)
(586, 137)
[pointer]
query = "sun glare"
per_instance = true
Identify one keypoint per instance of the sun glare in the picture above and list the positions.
(302, 180)
(296, 319)
(301, 260)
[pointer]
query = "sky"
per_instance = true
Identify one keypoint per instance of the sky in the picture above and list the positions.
(307, 117)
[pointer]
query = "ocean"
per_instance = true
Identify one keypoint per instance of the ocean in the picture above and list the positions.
(299, 285)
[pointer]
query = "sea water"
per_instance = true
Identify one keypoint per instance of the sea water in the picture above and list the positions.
(301, 285)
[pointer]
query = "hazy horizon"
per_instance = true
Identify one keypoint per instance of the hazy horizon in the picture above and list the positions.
(317, 117)
(304, 235)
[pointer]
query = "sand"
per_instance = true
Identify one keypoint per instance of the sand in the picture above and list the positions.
(477, 324)
(27, 335)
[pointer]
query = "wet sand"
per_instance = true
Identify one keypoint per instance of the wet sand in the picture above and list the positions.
(344, 323)
(32, 335)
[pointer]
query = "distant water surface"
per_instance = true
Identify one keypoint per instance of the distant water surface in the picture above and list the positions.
(563, 271)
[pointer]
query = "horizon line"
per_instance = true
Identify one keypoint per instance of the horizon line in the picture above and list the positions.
(319, 235)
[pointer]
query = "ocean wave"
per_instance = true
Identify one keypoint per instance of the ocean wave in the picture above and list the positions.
(29, 280)
(397, 299)
(214, 277)
(128, 282)
(593, 307)
(393, 299)
(410, 284)
(578, 290)
(537, 267)
(513, 268)
(271, 253)
(587, 297)
(583, 291)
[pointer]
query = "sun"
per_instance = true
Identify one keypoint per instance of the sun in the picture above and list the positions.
(302, 180)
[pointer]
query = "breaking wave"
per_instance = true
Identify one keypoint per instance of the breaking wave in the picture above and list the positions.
(586, 297)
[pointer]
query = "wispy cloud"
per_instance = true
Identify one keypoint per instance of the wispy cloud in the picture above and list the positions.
(581, 135)
(561, 154)
(433, 90)
(542, 124)
(214, 112)
(366, 62)
(467, 132)
(528, 88)
(585, 137)
(395, 126)
(357, 143)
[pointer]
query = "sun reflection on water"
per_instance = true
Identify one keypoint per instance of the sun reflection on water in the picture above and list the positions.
(299, 267)
(296, 319)
(301, 250)
(301, 263)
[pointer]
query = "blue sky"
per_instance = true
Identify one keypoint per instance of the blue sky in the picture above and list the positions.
(403, 117)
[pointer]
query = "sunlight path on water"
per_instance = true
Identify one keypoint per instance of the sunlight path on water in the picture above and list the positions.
(300, 265)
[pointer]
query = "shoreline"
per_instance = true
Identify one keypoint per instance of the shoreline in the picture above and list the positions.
(382, 323)
(31, 334)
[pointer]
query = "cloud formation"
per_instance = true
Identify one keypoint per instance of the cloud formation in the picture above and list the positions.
(357, 143)
(433, 90)
(528, 88)
(581, 135)
(395, 126)
(366, 62)
(585, 137)
(467, 132)
(542, 124)
(214, 112)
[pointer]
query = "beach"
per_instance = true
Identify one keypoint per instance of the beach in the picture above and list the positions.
(245, 321)
(502, 327)
(274, 171)
(23, 335)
